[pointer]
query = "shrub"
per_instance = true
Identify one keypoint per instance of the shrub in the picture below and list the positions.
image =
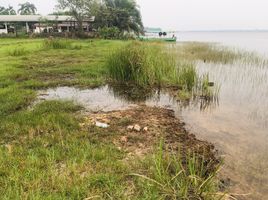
(109, 33)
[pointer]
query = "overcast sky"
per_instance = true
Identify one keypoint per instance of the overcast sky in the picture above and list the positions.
(189, 14)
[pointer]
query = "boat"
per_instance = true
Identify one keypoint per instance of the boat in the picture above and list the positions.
(156, 34)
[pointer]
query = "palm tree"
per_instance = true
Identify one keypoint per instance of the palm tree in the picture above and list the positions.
(124, 14)
(27, 9)
(11, 10)
(7, 11)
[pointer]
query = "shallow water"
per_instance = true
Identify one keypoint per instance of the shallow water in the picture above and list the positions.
(238, 125)
(93, 100)
(256, 41)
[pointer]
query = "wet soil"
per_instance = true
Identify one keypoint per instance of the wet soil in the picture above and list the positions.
(155, 124)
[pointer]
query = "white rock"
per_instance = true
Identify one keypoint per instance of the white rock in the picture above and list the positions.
(101, 125)
(137, 128)
(130, 127)
(145, 129)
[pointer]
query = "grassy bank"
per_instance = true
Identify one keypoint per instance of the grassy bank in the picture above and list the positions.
(44, 152)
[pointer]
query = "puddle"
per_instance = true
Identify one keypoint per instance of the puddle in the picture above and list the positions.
(237, 123)
(99, 99)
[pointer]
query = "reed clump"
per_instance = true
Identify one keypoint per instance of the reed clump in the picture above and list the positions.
(150, 64)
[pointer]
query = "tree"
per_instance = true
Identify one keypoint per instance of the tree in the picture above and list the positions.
(7, 11)
(123, 14)
(79, 9)
(27, 9)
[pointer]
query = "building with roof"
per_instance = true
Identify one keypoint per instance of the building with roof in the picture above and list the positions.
(39, 24)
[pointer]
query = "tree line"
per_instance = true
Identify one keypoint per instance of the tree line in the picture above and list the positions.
(112, 16)
(24, 9)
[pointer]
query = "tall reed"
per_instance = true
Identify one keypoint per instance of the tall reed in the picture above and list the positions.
(147, 64)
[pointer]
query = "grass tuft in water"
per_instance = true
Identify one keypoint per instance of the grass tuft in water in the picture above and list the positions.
(207, 89)
(207, 52)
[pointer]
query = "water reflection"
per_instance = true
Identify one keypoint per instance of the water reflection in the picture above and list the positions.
(238, 125)
(133, 93)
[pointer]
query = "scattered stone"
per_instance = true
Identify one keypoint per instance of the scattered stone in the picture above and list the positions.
(130, 128)
(101, 125)
(145, 129)
(137, 128)
(123, 139)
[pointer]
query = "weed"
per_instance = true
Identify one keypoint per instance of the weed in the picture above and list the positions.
(18, 51)
(56, 44)
(175, 176)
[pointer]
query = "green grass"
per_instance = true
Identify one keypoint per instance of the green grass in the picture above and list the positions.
(56, 44)
(17, 52)
(178, 176)
(43, 152)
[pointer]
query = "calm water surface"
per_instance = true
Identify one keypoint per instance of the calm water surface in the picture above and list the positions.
(237, 124)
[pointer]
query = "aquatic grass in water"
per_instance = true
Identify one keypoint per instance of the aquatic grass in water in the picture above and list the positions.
(150, 64)
(207, 52)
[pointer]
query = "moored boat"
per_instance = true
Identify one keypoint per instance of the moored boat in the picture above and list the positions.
(156, 34)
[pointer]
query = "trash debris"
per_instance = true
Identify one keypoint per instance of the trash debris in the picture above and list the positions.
(101, 125)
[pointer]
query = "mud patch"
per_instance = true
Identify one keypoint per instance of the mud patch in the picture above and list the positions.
(155, 124)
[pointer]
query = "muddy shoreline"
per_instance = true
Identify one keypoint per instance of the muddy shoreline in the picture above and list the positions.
(121, 108)
(155, 124)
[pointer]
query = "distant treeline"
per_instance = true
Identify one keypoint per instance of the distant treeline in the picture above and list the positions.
(112, 17)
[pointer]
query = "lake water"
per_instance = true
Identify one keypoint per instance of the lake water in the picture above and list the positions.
(237, 123)
(251, 41)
